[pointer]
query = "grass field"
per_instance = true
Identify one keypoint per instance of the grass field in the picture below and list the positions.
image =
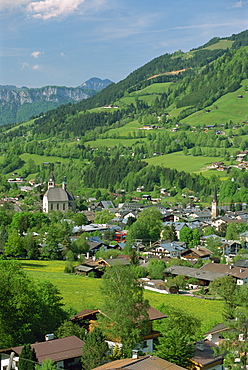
(236, 108)
(81, 292)
(182, 162)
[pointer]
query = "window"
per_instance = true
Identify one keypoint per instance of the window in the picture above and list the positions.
(57, 206)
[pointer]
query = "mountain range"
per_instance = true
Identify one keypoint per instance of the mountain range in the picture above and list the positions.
(18, 104)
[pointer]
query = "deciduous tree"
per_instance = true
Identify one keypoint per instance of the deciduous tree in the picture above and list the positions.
(125, 310)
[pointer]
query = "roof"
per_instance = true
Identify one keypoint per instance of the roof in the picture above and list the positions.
(192, 272)
(56, 349)
(237, 272)
(84, 314)
(58, 195)
(155, 314)
(142, 363)
(241, 263)
(200, 251)
(217, 328)
(206, 356)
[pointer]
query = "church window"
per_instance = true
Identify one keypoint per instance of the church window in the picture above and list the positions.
(57, 206)
(63, 206)
(51, 206)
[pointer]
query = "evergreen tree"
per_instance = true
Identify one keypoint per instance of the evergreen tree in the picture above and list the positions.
(27, 359)
(95, 350)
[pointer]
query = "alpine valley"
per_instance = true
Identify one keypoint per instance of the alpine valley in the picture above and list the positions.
(178, 123)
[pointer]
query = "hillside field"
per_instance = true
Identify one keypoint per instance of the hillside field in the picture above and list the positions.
(80, 292)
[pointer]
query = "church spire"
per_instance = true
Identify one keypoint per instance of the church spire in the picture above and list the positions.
(215, 204)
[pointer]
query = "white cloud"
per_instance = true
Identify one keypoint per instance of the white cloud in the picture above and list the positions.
(36, 54)
(52, 8)
(46, 9)
(24, 65)
(238, 4)
(9, 5)
(36, 66)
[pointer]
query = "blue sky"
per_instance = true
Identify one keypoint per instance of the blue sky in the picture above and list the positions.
(65, 42)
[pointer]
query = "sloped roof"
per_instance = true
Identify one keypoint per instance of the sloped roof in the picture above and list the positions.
(57, 195)
(155, 314)
(237, 272)
(142, 363)
(56, 349)
(192, 272)
(206, 356)
(217, 328)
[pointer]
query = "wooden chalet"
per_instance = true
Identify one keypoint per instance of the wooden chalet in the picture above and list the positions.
(87, 319)
(196, 253)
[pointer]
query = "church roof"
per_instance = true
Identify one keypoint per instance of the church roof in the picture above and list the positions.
(58, 195)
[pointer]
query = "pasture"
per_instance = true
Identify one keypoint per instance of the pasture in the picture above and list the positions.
(80, 292)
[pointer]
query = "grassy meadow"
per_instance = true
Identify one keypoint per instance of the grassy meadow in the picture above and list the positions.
(80, 292)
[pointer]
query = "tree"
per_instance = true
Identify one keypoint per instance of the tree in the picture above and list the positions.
(39, 307)
(236, 344)
(186, 235)
(27, 359)
(68, 328)
(178, 331)
(80, 219)
(156, 269)
(47, 364)
(125, 310)
(225, 287)
(103, 217)
(95, 350)
(147, 227)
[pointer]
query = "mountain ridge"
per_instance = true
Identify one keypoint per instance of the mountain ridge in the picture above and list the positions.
(18, 104)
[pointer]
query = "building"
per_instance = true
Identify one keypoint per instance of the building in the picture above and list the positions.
(56, 198)
(65, 352)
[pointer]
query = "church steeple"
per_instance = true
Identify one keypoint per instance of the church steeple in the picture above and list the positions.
(215, 204)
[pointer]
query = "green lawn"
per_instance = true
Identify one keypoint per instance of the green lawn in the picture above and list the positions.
(81, 292)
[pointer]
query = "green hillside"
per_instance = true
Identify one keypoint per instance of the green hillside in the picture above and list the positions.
(162, 126)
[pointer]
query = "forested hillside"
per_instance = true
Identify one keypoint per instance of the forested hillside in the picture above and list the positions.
(161, 127)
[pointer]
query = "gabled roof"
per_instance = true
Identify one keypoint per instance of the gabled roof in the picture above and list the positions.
(192, 272)
(217, 329)
(237, 272)
(142, 363)
(206, 356)
(56, 349)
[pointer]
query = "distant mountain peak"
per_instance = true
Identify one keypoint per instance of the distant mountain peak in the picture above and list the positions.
(96, 83)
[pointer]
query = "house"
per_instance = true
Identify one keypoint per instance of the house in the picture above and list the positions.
(215, 334)
(58, 199)
(239, 273)
(196, 253)
(98, 265)
(167, 249)
(204, 277)
(205, 358)
(149, 362)
(87, 318)
(65, 352)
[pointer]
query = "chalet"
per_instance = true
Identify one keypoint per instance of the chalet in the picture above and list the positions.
(204, 277)
(196, 253)
(65, 352)
(239, 273)
(98, 265)
(87, 318)
(167, 249)
(149, 362)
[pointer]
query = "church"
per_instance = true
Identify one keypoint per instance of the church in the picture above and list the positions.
(58, 199)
